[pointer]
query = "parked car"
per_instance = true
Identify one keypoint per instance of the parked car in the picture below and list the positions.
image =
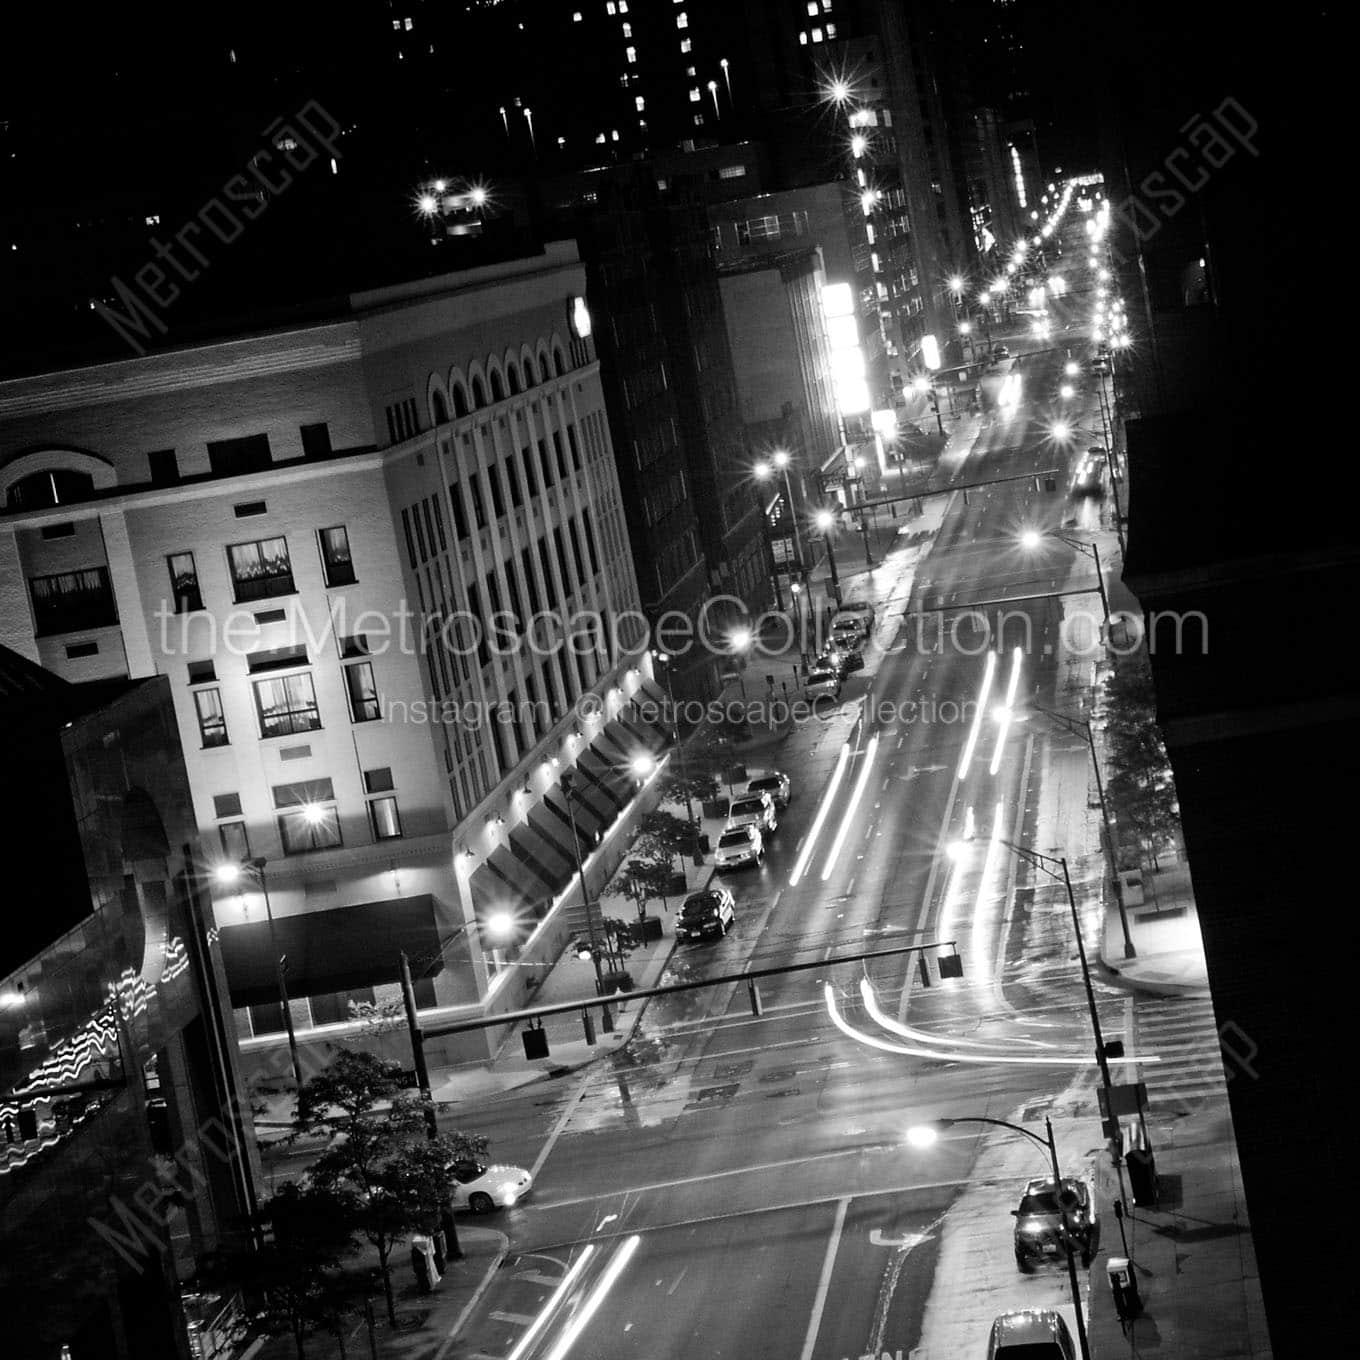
(1039, 1222)
(834, 659)
(706, 913)
(757, 809)
(861, 609)
(1000, 352)
(850, 625)
(483, 1188)
(1031, 1334)
(742, 845)
(823, 682)
(776, 784)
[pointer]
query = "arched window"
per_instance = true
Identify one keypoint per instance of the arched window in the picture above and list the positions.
(52, 486)
(478, 394)
(439, 409)
(497, 386)
(560, 362)
(460, 401)
(512, 376)
(530, 377)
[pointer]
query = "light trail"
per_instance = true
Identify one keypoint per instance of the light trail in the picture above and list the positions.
(866, 990)
(1005, 723)
(966, 759)
(805, 853)
(978, 947)
(558, 1294)
(855, 795)
(591, 1306)
(1057, 1060)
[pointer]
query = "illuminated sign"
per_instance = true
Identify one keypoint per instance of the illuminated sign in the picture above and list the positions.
(930, 352)
(847, 358)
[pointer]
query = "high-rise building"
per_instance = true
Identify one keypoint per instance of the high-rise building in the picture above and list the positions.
(127, 1155)
(383, 561)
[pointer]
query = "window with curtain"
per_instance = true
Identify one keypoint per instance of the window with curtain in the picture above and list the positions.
(212, 722)
(73, 601)
(184, 583)
(385, 819)
(363, 692)
(286, 705)
(261, 569)
(335, 557)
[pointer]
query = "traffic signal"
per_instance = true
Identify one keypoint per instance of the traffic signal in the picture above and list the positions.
(951, 966)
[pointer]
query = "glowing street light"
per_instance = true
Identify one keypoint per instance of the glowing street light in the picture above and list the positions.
(1067, 391)
(1071, 368)
(642, 765)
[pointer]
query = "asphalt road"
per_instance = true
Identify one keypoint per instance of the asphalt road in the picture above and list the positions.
(742, 1181)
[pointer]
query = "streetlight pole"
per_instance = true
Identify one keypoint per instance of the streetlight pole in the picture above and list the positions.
(1110, 850)
(826, 521)
(927, 1133)
(569, 784)
(781, 461)
(695, 852)
(1100, 575)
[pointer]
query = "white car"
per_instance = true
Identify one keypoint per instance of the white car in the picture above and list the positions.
(757, 810)
(823, 684)
(742, 845)
(483, 1188)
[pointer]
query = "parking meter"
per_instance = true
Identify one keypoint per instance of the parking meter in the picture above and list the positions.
(1124, 1287)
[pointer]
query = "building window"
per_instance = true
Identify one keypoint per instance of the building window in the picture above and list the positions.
(758, 229)
(184, 583)
(385, 819)
(694, 95)
(56, 487)
(363, 692)
(163, 467)
(260, 570)
(286, 705)
(316, 440)
(73, 602)
(731, 171)
(308, 817)
(630, 53)
(682, 20)
(336, 562)
(212, 722)
(235, 841)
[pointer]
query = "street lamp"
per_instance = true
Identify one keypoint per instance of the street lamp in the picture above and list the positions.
(739, 643)
(779, 461)
(229, 874)
(1032, 538)
(569, 787)
(664, 660)
(926, 1135)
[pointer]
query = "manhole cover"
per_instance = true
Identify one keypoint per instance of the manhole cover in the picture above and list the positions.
(780, 1074)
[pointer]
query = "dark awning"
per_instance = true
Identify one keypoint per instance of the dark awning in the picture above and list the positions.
(332, 951)
(554, 832)
(612, 780)
(525, 884)
(587, 793)
(549, 866)
(589, 824)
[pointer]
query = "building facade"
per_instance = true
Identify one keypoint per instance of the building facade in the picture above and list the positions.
(384, 563)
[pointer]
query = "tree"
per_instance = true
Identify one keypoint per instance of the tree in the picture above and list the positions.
(397, 1178)
(663, 835)
(291, 1282)
(643, 879)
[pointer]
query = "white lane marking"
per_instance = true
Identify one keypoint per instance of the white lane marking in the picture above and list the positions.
(519, 1319)
(676, 1285)
(560, 1127)
(824, 1283)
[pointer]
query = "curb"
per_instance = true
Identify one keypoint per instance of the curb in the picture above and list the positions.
(1114, 978)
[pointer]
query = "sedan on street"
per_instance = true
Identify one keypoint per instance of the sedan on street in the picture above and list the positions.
(706, 913)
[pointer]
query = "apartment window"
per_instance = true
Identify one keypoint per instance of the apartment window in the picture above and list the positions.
(201, 671)
(630, 53)
(694, 95)
(287, 705)
(686, 45)
(379, 780)
(758, 229)
(363, 692)
(308, 818)
(336, 562)
(478, 507)
(497, 495)
(73, 601)
(384, 819)
(235, 841)
(212, 722)
(260, 570)
(731, 171)
(184, 583)
(682, 20)
(232, 457)
(316, 440)
(163, 467)
(460, 523)
(512, 475)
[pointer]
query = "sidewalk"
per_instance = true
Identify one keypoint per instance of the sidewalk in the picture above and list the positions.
(1165, 931)
(427, 1323)
(1192, 1256)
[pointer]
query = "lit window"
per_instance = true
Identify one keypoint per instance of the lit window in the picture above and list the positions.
(826, 6)
(384, 818)
(396, 23)
(336, 562)
(260, 570)
(628, 30)
(611, 8)
(685, 45)
(831, 30)
(694, 95)
(287, 704)
(154, 220)
(363, 693)
(639, 103)
(731, 171)
(682, 20)
(308, 818)
(184, 583)
(816, 35)
(408, 25)
(576, 18)
(235, 842)
(212, 722)
(623, 6)
(812, 8)
(630, 53)
(802, 37)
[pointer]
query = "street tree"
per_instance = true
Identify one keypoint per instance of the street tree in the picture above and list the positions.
(378, 1153)
(643, 879)
(663, 835)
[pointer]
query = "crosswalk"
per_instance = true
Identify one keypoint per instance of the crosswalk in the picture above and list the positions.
(1196, 1059)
